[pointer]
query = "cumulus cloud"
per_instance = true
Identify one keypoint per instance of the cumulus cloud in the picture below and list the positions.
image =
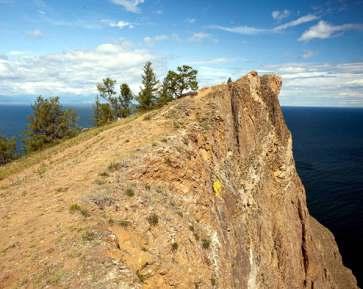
(36, 33)
(71, 73)
(250, 30)
(129, 5)
(279, 15)
(324, 30)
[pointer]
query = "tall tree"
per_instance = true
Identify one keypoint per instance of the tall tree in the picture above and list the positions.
(49, 123)
(168, 88)
(103, 113)
(125, 99)
(7, 150)
(187, 80)
(148, 94)
(106, 90)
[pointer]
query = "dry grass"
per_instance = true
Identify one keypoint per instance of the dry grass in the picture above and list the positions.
(37, 157)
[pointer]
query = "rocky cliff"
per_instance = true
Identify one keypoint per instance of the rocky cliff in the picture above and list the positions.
(202, 193)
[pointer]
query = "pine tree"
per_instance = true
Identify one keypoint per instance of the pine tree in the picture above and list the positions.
(103, 113)
(168, 88)
(187, 80)
(125, 99)
(106, 90)
(148, 94)
(49, 123)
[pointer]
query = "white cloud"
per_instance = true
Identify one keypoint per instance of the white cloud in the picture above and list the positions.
(296, 22)
(250, 30)
(324, 30)
(36, 33)
(129, 5)
(201, 37)
(152, 40)
(244, 30)
(121, 24)
(72, 73)
(279, 15)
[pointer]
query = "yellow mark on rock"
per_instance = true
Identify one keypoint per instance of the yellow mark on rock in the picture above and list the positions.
(217, 188)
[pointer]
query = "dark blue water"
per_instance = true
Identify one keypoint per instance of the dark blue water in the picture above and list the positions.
(328, 149)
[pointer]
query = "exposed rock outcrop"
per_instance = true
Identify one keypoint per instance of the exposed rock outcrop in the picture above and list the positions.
(212, 200)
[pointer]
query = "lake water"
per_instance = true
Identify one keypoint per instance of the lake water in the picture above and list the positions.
(328, 149)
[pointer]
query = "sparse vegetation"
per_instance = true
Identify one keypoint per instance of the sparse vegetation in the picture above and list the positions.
(113, 166)
(89, 236)
(153, 219)
(77, 208)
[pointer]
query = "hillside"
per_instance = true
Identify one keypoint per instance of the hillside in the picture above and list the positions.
(202, 193)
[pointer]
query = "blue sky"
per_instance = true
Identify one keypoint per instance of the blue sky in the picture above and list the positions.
(65, 47)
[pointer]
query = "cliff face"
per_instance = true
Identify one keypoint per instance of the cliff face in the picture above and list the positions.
(200, 194)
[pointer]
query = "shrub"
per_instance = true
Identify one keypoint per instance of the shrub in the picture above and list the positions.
(153, 219)
(205, 243)
(130, 192)
(174, 246)
(7, 150)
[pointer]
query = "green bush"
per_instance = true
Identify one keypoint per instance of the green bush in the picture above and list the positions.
(7, 150)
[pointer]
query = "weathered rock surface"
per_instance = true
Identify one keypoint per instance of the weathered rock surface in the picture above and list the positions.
(202, 194)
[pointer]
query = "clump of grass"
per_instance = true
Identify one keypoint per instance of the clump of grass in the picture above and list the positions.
(213, 281)
(153, 219)
(130, 192)
(164, 140)
(104, 174)
(140, 276)
(122, 223)
(205, 243)
(77, 208)
(174, 246)
(113, 166)
(147, 117)
(89, 236)
(147, 187)
(196, 236)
